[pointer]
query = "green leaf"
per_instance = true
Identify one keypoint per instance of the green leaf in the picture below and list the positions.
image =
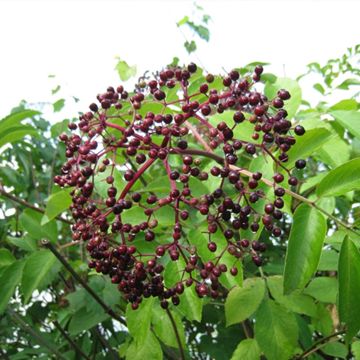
(148, 349)
(349, 120)
(9, 279)
(247, 350)
(164, 328)
(101, 186)
(59, 128)
(347, 104)
(159, 185)
(16, 118)
(190, 304)
(16, 133)
(319, 88)
(26, 242)
(206, 18)
(323, 289)
(329, 260)
(323, 321)
(174, 63)
(268, 77)
(296, 302)
(84, 319)
(242, 302)
(110, 296)
(76, 299)
(255, 63)
(134, 215)
(335, 349)
(86, 309)
(56, 204)
(124, 70)
(341, 180)
(243, 131)
(6, 257)
(276, 331)
(55, 90)
(200, 30)
(58, 105)
(349, 287)
(138, 321)
(307, 144)
(183, 21)
(327, 203)
(203, 32)
(37, 268)
(304, 249)
(30, 220)
(348, 82)
(3, 229)
(199, 239)
(292, 86)
(335, 152)
(190, 46)
(198, 188)
(355, 349)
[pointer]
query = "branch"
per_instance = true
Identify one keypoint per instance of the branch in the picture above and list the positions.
(128, 159)
(137, 175)
(71, 342)
(28, 205)
(298, 197)
(178, 340)
(47, 244)
(207, 154)
(34, 334)
(105, 344)
(198, 136)
(267, 182)
(319, 344)
(4, 354)
(246, 325)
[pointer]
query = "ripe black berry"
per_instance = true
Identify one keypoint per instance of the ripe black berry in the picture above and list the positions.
(250, 149)
(299, 130)
(192, 67)
(283, 94)
(300, 164)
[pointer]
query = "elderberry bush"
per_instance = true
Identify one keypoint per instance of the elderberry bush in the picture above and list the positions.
(173, 183)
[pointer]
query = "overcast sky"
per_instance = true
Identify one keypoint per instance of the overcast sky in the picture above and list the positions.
(79, 40)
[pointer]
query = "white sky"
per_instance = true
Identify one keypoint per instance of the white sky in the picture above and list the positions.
(78, 41)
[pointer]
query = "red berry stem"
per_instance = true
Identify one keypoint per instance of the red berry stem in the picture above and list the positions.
(137, 175)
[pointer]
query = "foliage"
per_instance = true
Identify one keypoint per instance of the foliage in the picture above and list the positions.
(302, 302)
(198, 28)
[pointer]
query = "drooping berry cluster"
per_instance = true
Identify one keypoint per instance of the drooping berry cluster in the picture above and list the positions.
(177, 115)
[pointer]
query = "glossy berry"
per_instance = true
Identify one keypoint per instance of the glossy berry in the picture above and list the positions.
(293, 181)
(212, 246)
(300, 164)
(278, 178)
(192, 68)
(257, 260)
(283, 94)
(299, 130)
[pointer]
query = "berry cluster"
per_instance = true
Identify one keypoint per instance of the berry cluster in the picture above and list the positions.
(120, 135)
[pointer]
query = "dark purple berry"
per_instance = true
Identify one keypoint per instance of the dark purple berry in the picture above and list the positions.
(299, 130)
(300, 164)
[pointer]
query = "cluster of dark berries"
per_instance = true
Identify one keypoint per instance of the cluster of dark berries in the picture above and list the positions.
(123, 134)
